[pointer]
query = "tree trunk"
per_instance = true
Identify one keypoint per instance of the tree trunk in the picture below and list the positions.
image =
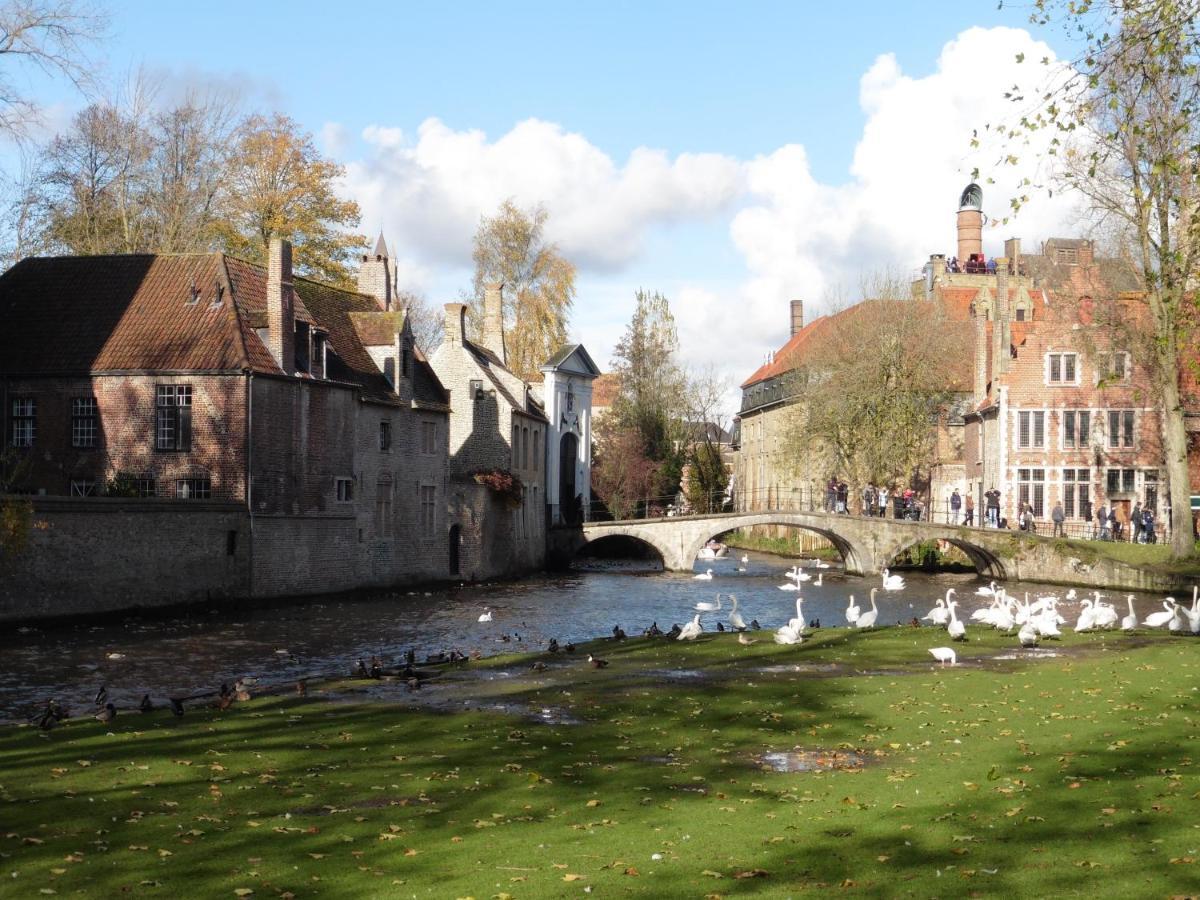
(1175, 441)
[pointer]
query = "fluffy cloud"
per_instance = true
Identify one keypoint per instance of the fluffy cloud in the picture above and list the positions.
(795, 235)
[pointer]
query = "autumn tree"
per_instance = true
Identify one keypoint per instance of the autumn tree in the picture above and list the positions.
(278, 184)
(623, 476)
(869, 394)
(539, 284)
(1124, 116)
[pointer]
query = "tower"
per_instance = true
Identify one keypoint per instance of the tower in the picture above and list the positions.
(377, 274)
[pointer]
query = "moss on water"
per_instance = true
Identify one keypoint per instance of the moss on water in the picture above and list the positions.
(1060, 776)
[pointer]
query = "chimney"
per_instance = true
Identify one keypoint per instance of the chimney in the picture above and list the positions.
(970, 233)
(493, 319)
(1012, 249)
(454, 328)
(797, 315)
(281, 313)
(981, 357)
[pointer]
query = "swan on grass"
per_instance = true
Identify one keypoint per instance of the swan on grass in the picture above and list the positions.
(940, 614)
(955, 628)
(867, 619)
(691, 630)
(1028, 635)
(1193, 615)
(944, 655)
(1087, 616)
(852, 611)
(706, 575)
(1129, 623)
(1159, 619)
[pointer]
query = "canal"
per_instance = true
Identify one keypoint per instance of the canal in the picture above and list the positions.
(193, 652)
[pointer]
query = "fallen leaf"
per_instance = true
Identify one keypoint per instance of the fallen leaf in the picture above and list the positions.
(571, 876)
(752, 873)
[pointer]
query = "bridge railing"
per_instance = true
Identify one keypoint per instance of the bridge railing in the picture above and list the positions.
(801, 499)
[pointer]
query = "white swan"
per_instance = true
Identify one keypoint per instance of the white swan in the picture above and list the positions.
(706, 575)
(938, 614)
(745, 559)
(786, 634)
(1176, 624)
(1129, 623)
(944, 655)
(956, 629)
(1087, 616)
(867, 619)
(486, 616)
(1158, 619)
(1028, 635)
(735, 617)
(706, 606)
(989, 591)
(1193, 614)
(892, 582)
(819, 581)
(691, 630)
(790, 586)
(852, 611)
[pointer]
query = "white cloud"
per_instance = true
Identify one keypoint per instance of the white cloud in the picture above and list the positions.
(796, 236)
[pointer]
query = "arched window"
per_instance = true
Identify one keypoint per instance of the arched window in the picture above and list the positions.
(524, 448)
(383, 505)
(537, 450)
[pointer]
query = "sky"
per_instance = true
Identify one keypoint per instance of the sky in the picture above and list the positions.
(731, 156)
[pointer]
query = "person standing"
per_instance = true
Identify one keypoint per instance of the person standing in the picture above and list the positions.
(955, 505)
(1057, 516)
(1135, 523)
(868, 499)
(993, 507)
(831, 493)
(969, 518)
(882, 499)
(1148, 532)
(843, 497)
(1102, 523)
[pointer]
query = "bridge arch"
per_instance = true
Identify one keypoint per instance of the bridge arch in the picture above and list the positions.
(985, 561)
(853, 561)
(642, 542)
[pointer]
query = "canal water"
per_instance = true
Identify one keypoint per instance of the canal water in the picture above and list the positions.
(195, 651)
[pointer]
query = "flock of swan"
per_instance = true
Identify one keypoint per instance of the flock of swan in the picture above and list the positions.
(1032, 620)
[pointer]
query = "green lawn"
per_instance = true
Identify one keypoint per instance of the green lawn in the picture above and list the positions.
(1062, 776)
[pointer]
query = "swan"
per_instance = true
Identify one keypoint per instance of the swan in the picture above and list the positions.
(1158, 619)
(955, 628)
(819, 581)
(786, 634)
(1193, 615)
(790, 586)
(1176, 624)
(938, 614)
(944, 655)
(852, 611)
(989, 591)
(821, 564)
(745, 559)
(706, 575)
(1071, 595)
(1028, 635)
(486, 616)
(1129, 623)
(691, 630)
(706, 606)
(892, 582)
(867, 619)
(801, 575)
(735, 617)
(1087, 617)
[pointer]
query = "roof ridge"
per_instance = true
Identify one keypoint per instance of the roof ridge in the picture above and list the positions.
(234, 312)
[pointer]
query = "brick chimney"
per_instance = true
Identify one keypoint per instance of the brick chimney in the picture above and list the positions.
(1003, 313)
(281, 313)
(493, 319)
(797, 315)
(455, 327)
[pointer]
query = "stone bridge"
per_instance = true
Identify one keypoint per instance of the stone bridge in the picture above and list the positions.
(867, 545)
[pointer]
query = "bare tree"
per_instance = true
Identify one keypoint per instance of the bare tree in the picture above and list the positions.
(53, 36)
(426, 320)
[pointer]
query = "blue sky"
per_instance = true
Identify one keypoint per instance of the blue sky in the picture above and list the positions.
(730, 155)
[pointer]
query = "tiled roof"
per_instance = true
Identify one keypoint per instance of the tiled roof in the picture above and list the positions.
(132, 313)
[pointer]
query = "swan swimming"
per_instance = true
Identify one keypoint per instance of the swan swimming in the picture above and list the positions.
(486, 616)
(706, 575)
(706, 606)
(892, 582)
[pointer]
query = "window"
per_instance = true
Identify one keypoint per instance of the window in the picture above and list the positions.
(524, 448)
(537, 450)
(1060, 368)
(429, 438)
(1150, 483)
(1077, 426)
(1031, 489)
(404, 361)
(1120, 481)
(1020, 314)
(1113, 366)
(428, 499)
(24, 422)
(345, 489)
(193, 488)
(385, 436)
(516, 441)
(173, 417)
(476, 389)
(1077, 493)
(1067, 256)
(1120, 428)
(83, 421)
(570, 401)
(83, 487)
(383, 506)
(1031, 429)
(145, 487)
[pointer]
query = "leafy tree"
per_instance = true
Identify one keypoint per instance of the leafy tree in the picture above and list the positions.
(653, 396)
(622, 475)
(707, 476)
(1125, 120)
(278, 184)
(510, 247)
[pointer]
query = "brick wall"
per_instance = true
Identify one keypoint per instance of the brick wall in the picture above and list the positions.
(125, 438)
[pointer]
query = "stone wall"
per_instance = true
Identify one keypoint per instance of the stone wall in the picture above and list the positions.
(99, 555)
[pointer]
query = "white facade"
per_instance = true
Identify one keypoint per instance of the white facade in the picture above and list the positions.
(567, 397)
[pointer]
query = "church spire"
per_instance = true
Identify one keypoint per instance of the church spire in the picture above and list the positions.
(381, 249)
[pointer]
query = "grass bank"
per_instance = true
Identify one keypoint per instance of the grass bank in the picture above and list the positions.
(1069, 775)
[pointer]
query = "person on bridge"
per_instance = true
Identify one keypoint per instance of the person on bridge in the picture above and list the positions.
(868, 499)
(969, 517)
(993, 507)
(831, 494)
(955, 505)
(1057, 516)
(882, 499)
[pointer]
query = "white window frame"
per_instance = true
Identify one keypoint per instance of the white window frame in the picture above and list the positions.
(1033, 443)
(1083, 437)
(1120, 435)
(85, 416)
(1104, 366)
(1061, 381)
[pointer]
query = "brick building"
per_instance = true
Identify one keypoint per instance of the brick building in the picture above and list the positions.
(300, 415)
(502, 424)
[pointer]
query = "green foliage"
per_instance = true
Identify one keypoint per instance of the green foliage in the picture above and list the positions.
(122, 484)
(1023, 778)
(707, 478)
(623, 477)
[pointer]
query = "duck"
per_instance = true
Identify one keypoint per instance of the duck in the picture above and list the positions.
(867, 619)
(956, 629)
(486, 615)
(892, 582)
(691, 630)
(107, 714)
(945, 655)
(852, 611)
(176, 706)
(145, 706)
(1130, 622)
(706, 575)
(745, 640)
(596, 662)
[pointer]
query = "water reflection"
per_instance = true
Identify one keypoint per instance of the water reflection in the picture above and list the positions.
(195, 652)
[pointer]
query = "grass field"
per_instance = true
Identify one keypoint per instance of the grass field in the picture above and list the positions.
(1069, 775)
